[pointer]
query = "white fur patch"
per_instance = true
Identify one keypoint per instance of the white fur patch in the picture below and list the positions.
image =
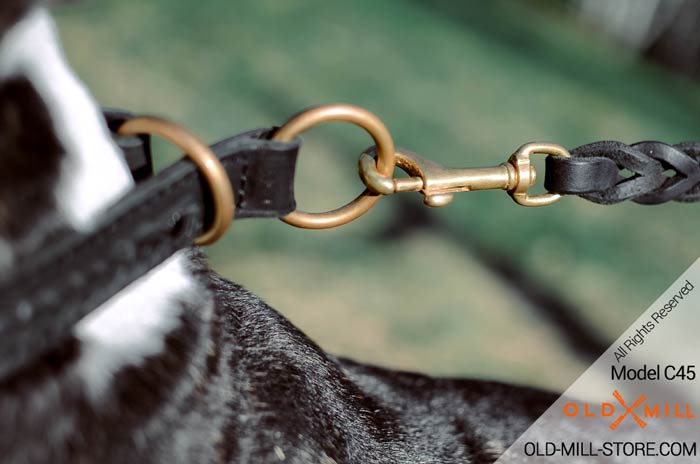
(134, 323)
(93, 173)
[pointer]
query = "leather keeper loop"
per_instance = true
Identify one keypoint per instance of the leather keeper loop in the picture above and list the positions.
(579, 175)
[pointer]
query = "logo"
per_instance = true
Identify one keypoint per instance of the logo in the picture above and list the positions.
(640, 411)
(628, 410)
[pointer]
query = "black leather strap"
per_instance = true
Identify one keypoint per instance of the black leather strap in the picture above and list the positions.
(611, 172)
(136, 149)
(46, 296)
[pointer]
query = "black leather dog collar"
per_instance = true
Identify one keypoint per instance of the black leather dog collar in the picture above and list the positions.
(47, 295)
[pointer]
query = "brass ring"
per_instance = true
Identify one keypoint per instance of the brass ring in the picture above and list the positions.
(385, 160)
(208, 164)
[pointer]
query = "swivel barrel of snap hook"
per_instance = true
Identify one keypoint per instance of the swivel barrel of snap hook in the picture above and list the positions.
(525, 173)
(208, 164)
(384, 164)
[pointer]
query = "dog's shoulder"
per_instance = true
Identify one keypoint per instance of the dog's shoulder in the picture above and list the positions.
(291, 399)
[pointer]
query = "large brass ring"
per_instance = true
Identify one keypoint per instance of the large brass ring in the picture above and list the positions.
(208, 164)
(385, 160)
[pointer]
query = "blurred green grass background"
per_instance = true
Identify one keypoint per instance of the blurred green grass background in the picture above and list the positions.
(464, 83)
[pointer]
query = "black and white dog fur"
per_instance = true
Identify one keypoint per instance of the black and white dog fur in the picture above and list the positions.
(183, 366)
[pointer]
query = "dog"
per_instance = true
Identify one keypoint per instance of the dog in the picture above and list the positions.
(182, 365)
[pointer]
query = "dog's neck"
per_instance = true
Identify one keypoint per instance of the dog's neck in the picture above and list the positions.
(57, 155)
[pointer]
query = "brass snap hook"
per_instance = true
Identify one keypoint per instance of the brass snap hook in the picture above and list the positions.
(385, 160)
(438, 184)
(208, 164)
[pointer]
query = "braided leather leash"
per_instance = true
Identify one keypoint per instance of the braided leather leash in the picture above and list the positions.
(609, 172)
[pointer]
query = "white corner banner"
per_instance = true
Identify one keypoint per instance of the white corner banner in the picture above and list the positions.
(639, 402)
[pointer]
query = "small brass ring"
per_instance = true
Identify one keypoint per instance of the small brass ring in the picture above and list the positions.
(525, 173)
(385, 160)
(208, 164)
